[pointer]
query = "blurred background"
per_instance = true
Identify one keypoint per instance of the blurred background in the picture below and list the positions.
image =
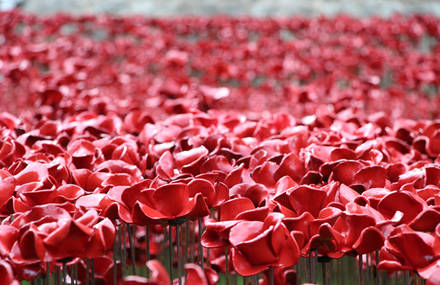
(230, 7)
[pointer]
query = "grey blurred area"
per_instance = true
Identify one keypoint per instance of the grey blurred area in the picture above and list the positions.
(357, 8)
(6, 5)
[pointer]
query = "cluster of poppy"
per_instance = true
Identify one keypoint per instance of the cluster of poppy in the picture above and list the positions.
(221, 147)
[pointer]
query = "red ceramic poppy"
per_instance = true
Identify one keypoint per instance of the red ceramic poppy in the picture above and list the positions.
(257, 245)
(166, 203)
(7, 274)
(406, 202)
(112, 128)
(302, 199)
(199, 276)
(416, 248)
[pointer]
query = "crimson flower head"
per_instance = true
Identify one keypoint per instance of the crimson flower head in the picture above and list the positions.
(167, 203)
(256, 245)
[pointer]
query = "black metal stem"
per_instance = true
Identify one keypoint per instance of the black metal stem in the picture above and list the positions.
(87, 271)
(170, 248)
(47, 279)
(92, 261)
(131, 232)
(179, 263)
(202, 261)
(227, 265)
(115, 263)
(271, 276)
(147, 247)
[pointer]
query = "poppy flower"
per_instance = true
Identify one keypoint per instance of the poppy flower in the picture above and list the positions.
(371, 239)
(83, 153)
(214, 194)
(415, 248)
(158, 272)
(159, 275)
(327, 241)
(166, 203)
(346, 163)
(344, 171)
(59, 235)
(409, 204)
(197, 275)
(8, 236)
(370, 177)
(430, 273)
(7, 274)
(258, 245)
(7, 187)
(257, 193)
(189, 159)
(351, 227)
(281, 275)
(302, 199)
(232, 211)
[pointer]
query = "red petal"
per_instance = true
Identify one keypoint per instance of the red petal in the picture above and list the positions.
(135, 280)
(307, 199)
(87, 180)
(221, 192)
(90, 201)
(190, 156)
(352, 225)
(243, 266)
(59, 234)
(197, 208)
(70, 192)
(400, 201)
(370, 177)
(264, 174)
(300, 223)
(347, 194)
(431, 273)
(413, 248)
(34, 172)
(230, 209)
(31, 246)
(217, 234)
(245, 231)
(89, 218)
(7, 187)
(165, 166)
(204, 187)
(257, 193)
(371, 239)
(133, 194)
(158, 273)
(284, 246)
(8, 236)
(7, 274)
(426, 221)
(257, 214)
(433, 147)
(342, 153)
(432, 175)
(345, 171)
(117, 211)
(171, 199)
(292, 167)
(195, 275)
(283, 184)
(82, 152)
(144, 215)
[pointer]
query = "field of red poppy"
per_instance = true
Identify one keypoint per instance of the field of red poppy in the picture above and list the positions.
(219, 150)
